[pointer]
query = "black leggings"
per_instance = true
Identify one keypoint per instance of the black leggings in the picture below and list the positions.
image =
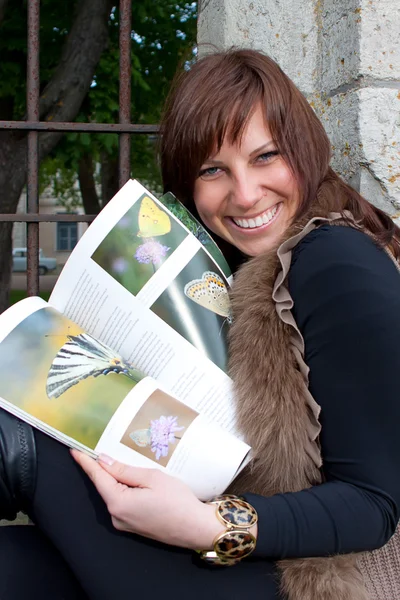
(75, 553)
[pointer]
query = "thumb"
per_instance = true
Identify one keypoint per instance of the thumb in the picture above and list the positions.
(130, 476)
(105, 484)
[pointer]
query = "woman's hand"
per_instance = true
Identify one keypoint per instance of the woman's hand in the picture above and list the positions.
(150, 503)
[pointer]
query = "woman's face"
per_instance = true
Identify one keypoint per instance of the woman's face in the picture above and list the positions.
(246, 193)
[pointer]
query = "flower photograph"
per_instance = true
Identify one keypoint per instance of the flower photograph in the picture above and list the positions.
(158, 427)
(142, 240)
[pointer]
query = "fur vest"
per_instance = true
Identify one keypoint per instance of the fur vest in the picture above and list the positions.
(279, 419)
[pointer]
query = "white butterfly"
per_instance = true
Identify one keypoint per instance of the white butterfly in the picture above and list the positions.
(141, 437)
(210, 292)
(81, 357)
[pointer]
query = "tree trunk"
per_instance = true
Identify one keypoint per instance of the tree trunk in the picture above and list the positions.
(3, 4)
(60, 101)
(109, 178)
(12, 179)
(87, 186)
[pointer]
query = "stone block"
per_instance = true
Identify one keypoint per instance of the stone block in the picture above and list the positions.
(364, 128)
(380, 39)
(339, 27)
(379, 123)
(339, 116)
(211, 26)
(269, 27)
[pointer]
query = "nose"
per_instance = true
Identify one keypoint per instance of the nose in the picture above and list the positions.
(246, 191)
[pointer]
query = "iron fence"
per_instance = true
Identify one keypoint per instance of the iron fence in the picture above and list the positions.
(32, 124)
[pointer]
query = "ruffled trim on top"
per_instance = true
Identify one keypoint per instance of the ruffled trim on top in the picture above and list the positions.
(284, 304)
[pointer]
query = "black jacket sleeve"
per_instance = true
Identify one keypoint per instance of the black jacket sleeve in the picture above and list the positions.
(346, 294)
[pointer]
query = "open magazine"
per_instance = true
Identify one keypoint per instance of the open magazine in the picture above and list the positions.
(128, 356)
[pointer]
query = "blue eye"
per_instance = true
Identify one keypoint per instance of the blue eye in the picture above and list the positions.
(267, 156)
(209, 172)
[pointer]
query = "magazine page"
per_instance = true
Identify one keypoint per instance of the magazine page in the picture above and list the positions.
(196, 228)
(112, 315)
(78, 390)
(151, 428)
(142, 246)
(169, 319)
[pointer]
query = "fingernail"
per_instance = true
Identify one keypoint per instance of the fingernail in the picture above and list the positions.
(105, 459)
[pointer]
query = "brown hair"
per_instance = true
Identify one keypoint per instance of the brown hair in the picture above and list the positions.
(216, 97)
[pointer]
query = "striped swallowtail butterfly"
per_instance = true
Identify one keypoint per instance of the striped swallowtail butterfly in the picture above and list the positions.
(81, 357)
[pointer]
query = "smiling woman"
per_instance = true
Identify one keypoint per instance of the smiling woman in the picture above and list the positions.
(314, 357)
(212, 105)
(246, 193)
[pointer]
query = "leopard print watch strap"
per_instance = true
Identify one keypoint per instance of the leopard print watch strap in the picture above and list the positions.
(236, 542)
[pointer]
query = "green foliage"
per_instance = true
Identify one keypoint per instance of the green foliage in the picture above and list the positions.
(163, 38)
(17, 295)
(61, 182)
(144, 163)
(56, 19)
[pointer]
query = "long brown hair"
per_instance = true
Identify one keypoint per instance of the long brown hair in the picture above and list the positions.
(216, 97)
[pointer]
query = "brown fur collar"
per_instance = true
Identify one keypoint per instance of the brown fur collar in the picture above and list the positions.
(274, 417)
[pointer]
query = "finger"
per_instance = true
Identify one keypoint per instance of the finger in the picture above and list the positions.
(131, 476)
(121, 525)
(104, 482)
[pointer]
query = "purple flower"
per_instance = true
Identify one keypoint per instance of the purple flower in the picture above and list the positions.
(162, 433)
(124, 223)
(151, 252)
(120, 265)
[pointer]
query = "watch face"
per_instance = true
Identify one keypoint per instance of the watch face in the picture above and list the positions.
(236, 512)
(236, 542)
(234, 545)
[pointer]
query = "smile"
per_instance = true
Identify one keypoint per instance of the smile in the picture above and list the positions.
(263, 219)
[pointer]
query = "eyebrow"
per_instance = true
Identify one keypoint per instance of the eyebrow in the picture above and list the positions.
(211, 161)
(263, 147)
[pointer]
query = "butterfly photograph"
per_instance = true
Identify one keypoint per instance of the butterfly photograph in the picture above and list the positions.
(158, 436)
(211, 293)
(139, 243)
(153, 221)
(158, 427)
(201, 294)
(83, 356)
(69, 380)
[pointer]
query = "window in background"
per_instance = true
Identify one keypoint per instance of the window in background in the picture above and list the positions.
(67, 236)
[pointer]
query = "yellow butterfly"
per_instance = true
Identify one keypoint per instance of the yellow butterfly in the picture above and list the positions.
(153, 220)
(210, 292)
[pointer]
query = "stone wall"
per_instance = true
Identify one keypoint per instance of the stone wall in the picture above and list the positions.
(344, 55)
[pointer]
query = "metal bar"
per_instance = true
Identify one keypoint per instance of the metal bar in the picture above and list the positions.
(80, 127)
(46, 218)
(125, 32)
(32, 126)
(32, 102)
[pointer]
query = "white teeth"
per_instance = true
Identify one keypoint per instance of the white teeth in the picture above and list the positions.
(258, 221)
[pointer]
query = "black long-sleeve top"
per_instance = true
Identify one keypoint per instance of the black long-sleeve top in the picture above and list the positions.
(346, 294)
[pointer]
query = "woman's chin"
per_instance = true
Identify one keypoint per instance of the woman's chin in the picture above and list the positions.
(253, 244)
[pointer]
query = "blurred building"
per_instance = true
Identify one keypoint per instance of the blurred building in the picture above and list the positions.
(55, 239)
